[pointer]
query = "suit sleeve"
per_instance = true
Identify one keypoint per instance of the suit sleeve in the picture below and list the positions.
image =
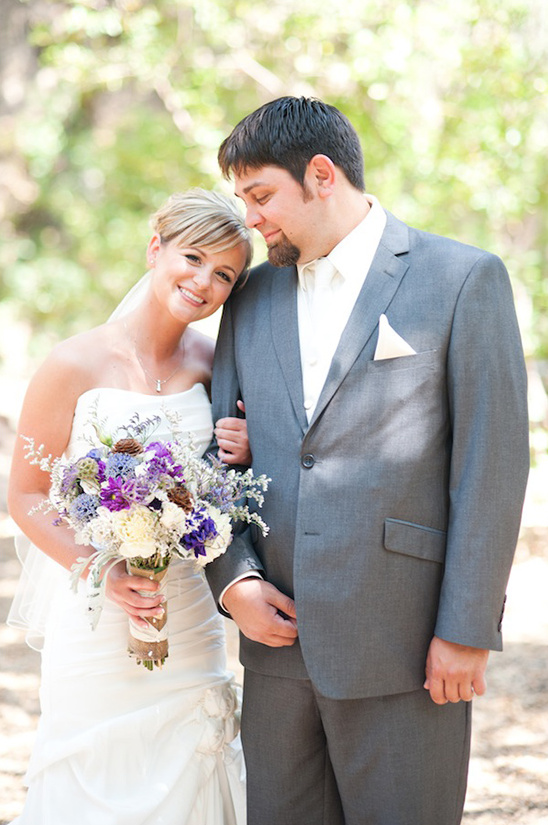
(487, 390)
(225, 390)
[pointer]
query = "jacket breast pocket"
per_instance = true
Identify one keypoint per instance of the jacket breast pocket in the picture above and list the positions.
(416, 540)
(421, 360)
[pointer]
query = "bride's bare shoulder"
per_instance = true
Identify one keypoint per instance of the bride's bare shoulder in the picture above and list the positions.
(85, 348)
(80, 358)
(200, 346)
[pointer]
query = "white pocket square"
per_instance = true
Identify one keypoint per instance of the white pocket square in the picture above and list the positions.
(390, 344)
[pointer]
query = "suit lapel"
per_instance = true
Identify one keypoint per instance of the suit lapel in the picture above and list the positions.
(285, 335)
(380, 286)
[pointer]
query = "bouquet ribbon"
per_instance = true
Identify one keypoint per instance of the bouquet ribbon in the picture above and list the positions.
(149, 645)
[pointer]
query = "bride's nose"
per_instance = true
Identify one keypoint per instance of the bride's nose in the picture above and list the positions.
(202, 277)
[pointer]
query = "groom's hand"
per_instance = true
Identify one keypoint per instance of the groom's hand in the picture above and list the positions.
(232, 439)
(454, 672)
(262, 612)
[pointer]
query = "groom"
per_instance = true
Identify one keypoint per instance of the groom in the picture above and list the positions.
(385, 392)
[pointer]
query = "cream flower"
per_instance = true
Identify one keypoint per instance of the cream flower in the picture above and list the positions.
(136, 530)
(173, 517)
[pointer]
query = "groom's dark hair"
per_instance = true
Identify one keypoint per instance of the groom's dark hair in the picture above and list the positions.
(288, 132)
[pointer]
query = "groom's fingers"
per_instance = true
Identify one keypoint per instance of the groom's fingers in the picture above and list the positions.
(262, 612)
(231, 435)
(454, 672)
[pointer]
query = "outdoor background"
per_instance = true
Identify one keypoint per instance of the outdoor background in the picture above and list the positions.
(107, 106)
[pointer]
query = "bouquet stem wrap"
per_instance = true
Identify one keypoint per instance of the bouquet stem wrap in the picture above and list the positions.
(149, 646)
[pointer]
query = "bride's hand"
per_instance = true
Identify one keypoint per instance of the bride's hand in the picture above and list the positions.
(231, 435)
(123, 589)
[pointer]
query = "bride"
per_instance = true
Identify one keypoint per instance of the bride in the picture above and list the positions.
(118, 744)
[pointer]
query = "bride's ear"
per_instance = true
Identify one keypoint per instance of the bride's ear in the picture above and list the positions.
(152, 249)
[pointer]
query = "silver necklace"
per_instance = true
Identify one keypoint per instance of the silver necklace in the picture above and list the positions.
(159, 382)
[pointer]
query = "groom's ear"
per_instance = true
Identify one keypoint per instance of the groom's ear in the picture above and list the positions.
(321, 175)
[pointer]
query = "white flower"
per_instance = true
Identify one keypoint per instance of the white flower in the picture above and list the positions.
(136, 530)
(90, 486)
(173, 517)
(101, 528)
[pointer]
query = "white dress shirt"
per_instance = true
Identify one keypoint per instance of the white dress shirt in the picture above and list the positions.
(322, 318)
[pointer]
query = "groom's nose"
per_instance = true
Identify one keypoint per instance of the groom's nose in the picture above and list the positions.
(252, 217)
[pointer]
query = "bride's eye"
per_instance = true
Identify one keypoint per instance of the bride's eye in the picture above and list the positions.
(195, 259)
(224, 276)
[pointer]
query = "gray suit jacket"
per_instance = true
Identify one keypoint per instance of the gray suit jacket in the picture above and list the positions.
(394, 515)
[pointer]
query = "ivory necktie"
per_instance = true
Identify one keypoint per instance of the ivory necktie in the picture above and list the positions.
(319, 295)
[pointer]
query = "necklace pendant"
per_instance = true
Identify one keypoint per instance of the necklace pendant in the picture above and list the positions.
(158, 385)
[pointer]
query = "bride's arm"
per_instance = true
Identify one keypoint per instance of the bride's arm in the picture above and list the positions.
(46, 416)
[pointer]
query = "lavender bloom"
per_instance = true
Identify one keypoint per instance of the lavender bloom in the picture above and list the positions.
(161, 449)
(69, 481)
(101, 467)
(120, 465)
(161, 468)
(84, 508)
(135, 490)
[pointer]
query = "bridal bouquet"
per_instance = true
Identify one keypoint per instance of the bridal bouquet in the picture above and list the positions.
(146, 501)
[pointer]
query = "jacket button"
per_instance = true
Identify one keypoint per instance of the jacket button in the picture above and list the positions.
(308, 461)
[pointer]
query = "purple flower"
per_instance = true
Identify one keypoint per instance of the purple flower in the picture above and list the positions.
(205, 530)
(161, 448)
(101, 466)
(118, 494)
(163, 464)
(112, 496)
(136, 490)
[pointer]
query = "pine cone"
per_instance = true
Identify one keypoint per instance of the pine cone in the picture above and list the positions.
(128, 445)
(182, 498)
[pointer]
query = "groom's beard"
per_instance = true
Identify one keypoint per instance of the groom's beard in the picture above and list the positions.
(283, 253)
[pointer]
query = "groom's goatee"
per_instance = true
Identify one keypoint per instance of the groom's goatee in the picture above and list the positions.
(283, 253)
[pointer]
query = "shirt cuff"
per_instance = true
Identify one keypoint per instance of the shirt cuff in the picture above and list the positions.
(250, 574)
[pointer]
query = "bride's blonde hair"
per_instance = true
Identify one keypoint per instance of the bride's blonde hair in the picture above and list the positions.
(202, 218)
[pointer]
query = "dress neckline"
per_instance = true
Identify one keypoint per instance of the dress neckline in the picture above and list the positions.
(156, 396)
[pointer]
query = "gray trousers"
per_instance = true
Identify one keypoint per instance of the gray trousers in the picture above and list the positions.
(389, 760)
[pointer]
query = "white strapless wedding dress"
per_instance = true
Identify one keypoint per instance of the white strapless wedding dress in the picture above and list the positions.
(116, 743)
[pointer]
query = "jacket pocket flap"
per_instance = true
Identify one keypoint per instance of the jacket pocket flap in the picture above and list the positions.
(414, 540)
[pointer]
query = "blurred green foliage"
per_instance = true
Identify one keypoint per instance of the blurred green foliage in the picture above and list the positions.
(130, 100)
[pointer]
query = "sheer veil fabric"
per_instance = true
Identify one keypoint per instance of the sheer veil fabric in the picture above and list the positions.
(133, 298)
(41, 575)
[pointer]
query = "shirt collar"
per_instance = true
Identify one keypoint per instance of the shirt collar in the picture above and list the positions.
(366, 234)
